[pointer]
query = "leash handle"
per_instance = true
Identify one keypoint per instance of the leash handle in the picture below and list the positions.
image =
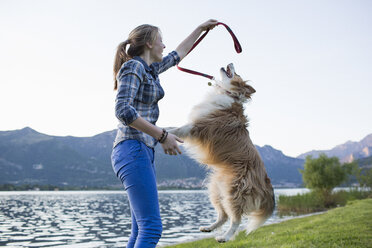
(237, 46)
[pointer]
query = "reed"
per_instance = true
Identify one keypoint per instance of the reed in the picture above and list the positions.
(315, 201)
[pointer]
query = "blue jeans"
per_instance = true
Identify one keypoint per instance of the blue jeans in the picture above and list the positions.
(133, 163)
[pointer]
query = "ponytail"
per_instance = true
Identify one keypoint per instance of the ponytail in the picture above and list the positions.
(120, 58)
(137, 40)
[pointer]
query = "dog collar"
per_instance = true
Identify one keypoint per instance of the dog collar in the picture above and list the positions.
(229, 93)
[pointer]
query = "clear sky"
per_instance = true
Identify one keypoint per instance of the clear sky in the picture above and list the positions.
(309, 61)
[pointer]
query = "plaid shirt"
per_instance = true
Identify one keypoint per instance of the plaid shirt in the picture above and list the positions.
(139, 91)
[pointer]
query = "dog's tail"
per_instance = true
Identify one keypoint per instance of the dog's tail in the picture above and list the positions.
(258, 218)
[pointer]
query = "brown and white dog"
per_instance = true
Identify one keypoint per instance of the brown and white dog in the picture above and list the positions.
(217, 136)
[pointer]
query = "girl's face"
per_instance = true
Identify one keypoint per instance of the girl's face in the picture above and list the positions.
(156, 49)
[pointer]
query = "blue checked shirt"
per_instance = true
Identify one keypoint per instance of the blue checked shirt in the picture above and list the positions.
(139, 91)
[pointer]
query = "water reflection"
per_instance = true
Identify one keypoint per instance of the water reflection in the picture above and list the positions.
(96, 219)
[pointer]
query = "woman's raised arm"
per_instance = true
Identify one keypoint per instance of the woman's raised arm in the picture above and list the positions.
(186, 45)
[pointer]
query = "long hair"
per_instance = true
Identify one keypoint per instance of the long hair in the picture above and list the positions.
(137, 40)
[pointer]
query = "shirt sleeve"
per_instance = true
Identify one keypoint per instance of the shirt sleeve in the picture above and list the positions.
(129, 79)
(168, 61)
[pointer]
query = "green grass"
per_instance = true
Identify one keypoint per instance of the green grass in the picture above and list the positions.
(349, 226)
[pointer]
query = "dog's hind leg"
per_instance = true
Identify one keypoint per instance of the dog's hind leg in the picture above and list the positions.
(234, 224)
(222, 218)
(235, 219)
(181, 132)
(216, 199)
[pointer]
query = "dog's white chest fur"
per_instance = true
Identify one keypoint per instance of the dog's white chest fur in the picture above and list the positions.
(213, 101)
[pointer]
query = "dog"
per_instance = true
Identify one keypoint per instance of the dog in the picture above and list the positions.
(217, 136)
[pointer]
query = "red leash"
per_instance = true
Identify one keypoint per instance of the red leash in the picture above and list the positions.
(237, 46)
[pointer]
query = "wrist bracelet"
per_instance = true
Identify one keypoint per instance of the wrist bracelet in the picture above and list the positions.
(163, 137)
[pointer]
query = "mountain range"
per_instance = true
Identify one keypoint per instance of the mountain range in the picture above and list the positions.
(30, 157)
(346, 152)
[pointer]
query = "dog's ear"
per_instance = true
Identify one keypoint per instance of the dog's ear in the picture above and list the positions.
(249, 90)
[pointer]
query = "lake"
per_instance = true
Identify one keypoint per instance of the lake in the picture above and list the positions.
(77, 219)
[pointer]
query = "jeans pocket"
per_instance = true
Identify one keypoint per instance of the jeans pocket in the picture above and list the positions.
(124, 153)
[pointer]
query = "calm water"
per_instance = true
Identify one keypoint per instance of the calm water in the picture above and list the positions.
(77, 219)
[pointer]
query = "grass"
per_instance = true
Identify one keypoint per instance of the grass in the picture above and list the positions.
(315, 202)
(349, 226)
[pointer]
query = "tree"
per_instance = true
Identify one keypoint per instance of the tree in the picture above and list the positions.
(365, 178)
(352, 172)
(324, 174)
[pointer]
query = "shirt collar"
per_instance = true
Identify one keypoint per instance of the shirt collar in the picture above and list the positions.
(147, 67)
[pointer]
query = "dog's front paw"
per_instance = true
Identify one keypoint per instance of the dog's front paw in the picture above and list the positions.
(205, 229)
(172, 131)
(168, 129)
(221, 239)
(181, 132)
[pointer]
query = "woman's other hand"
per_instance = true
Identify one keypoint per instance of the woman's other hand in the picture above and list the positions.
(170, 145)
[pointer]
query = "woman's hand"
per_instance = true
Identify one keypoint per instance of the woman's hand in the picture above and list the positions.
(170, 145)
(186, 45)
(210, 24)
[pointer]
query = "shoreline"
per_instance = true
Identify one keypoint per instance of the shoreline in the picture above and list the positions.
(48, 188)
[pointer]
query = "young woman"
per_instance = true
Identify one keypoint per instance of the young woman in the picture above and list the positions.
(136, 71)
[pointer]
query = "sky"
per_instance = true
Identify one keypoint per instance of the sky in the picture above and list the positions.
(309, 61)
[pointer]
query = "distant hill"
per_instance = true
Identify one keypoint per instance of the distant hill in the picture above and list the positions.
(27, 156)
(346, 152)
(282, 170)
(365, 162)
